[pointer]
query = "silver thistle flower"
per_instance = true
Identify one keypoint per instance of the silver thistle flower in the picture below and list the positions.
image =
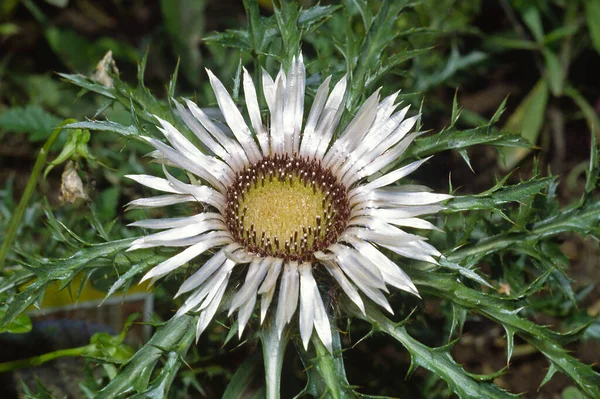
(290, 201)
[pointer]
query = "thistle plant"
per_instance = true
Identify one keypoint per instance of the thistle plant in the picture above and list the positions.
(284, 207)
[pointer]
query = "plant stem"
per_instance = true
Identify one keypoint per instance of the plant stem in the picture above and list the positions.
(41, 359)
(17, 216)
(325, 371)
(273, 353)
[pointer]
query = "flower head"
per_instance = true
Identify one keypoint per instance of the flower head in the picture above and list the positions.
(288, 203)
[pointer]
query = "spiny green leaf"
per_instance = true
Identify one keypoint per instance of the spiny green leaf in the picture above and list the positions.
(106, 126)
(510, 342)
(499, 195)
(455, 110)
(175, 336)
(233, 330)
(135, 269)
(389, 63)
(536, 285)
(551, 371)
(550, 258)
(581, 219)
(231, 38)
(293, 23)
(287, 21)
(159, 387)
(173, 82)
(140, 100)
(453, 139)
(62, 270)
(256, 29)
(436, 360)
(42, 391)
(88, 84)
(312, 17)
(14, 278)
(22, 301)
(468, 273)
(465, 156)
(20, 325)
(459, 316)
(56, 228)
(593, 171)
(501, 108)
(500, 310)
(364, 8)
(378, 37)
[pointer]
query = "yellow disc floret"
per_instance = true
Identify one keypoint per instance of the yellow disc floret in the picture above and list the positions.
(283, 209)
(286, 207)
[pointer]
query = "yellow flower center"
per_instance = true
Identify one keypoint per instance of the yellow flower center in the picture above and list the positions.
(286, 207)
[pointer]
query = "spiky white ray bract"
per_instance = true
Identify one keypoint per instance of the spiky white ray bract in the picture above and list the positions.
(377, 136)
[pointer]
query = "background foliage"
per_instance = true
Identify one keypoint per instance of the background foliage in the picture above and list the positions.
(509, 102)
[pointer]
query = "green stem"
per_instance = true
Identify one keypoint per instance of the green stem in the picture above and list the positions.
(325, 371)
(330, 369)
(17, 216)
(273, 353)
(41, 359)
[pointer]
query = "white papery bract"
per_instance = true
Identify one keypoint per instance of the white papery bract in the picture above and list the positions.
(288, 203)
